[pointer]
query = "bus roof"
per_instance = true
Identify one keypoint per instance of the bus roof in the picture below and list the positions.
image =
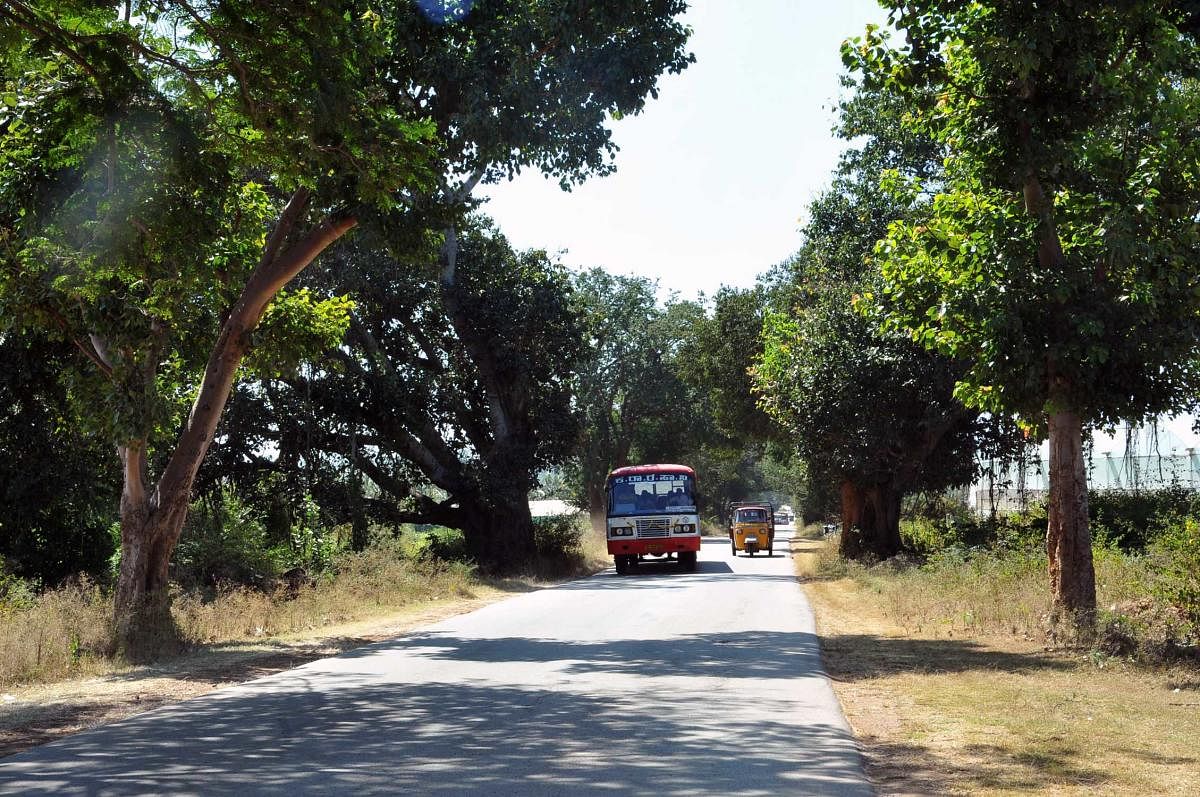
(637, 470)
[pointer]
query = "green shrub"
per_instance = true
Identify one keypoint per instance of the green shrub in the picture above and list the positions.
(436, 543)
(16, 593)
(1129, 518)
(312, 546)
(557, 537)
(224, 541)
(926, 533)
(1176, 552)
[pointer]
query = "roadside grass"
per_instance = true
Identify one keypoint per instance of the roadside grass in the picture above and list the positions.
(58, 674)
(593, 548)
(41, 712)
(951, 688)
(66, 633)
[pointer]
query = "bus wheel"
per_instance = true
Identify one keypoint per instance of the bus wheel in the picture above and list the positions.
(622, 565)
(687, 561)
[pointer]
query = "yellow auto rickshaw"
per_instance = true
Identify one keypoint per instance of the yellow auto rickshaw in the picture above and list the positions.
(751, 527)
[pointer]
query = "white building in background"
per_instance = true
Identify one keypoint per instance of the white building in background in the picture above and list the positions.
(1160, 454)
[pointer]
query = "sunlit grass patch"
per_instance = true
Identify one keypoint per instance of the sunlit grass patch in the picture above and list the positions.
(946, 699)
(61, 633)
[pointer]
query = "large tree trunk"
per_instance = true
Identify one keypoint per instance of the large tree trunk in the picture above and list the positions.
(149, 532)
(597, 507)
(1068, 538)
(884, 537)
(854, 508)
(870, 521)
(499, 533)
(152, 520)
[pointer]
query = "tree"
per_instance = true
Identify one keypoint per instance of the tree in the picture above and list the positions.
(513, 91)
(1058, 256)
(871, 413)
(718, 353)
(630, 403)
(159, 146)
(401, 400)
(163, 143)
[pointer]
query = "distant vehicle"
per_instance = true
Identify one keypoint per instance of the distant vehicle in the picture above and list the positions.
(782, 519)
(751, 527)
(652, 512)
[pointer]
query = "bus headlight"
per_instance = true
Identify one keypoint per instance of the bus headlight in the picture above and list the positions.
(622, 531)
(685, 528)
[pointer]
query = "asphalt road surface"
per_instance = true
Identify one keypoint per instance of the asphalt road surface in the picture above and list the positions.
(658, 683)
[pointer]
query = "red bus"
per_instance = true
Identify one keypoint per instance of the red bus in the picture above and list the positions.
(652, 512)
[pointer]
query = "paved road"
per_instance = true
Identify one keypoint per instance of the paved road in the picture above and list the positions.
(657, 683)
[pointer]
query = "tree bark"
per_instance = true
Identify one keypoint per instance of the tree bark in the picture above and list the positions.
(1068, 537)
(870, 521)
(597, 507)
(151, 521)
(884, 538)
(854, 508)
(499, 532)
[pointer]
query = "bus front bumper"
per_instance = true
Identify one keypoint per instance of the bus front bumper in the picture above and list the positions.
(655, 546)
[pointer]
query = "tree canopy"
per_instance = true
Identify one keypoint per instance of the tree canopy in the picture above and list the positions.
(173, 165)
(1056, 257)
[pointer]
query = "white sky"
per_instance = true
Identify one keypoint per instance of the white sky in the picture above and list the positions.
(713, 178)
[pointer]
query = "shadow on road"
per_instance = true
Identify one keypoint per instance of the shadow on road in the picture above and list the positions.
(470, 737)
(668, 576)
(744, 654)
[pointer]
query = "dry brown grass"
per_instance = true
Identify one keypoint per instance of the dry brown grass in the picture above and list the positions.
(67, 632)
(368, 584)
(593, 547)
(946, 699)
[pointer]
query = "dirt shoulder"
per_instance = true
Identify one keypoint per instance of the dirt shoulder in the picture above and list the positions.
(940, 714)
(41, 713)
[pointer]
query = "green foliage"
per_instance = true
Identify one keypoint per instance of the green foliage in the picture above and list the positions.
(153, 152)
(1059, 247)
(461, 392)
(224, 542)
(438, 543)
(626, 379)
(1130, 518)
(861, 405)
(951, 530)
(58, 494)
(16, 593)
(313, 545)
(1176, 552)
(297, 327)
(717, 355)
(557, 538)
(525, 84)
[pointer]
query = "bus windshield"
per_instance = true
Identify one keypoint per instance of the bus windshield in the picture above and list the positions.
(650, 494)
